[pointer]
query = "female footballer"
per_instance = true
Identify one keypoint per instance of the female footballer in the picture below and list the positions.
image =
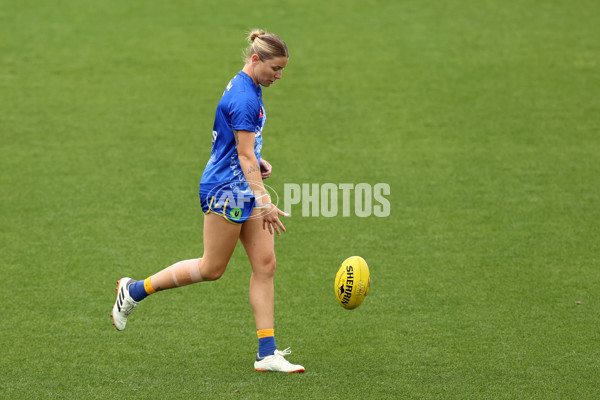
(235, 203)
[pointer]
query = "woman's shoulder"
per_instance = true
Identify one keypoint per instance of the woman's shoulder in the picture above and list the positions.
(238, 95)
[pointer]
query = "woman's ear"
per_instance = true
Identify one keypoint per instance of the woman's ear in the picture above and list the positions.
(255, 58)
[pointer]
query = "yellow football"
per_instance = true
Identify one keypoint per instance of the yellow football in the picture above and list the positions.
(352, 282)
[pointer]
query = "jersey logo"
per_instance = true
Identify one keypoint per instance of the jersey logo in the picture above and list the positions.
(260, 113)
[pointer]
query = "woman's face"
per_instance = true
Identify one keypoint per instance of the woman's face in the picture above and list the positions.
(267, 72)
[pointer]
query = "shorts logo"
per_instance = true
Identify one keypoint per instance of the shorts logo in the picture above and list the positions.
(235, 213)
(227, 199)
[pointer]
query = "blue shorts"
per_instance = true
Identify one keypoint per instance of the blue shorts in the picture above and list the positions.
(235, 208)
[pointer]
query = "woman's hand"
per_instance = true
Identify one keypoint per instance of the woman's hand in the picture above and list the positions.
(265, 168)
(271, 219)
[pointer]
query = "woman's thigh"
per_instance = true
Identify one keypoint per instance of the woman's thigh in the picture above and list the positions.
(259, 245)
(220, 238)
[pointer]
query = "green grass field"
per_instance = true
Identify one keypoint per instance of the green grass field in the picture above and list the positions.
(482, 116)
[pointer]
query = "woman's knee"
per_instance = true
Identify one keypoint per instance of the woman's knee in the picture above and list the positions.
(266, 267)
(212, 271)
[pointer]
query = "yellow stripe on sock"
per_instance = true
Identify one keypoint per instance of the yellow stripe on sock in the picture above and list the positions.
(261, 333)
(148, 286)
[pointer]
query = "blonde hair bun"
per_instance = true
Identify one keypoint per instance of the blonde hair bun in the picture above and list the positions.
(254, 34)
(269, 46)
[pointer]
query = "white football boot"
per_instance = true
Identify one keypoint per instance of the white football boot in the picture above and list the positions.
(124, 304)
(276, 363)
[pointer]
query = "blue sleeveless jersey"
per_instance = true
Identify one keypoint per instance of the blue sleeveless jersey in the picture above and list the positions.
(241, 108)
